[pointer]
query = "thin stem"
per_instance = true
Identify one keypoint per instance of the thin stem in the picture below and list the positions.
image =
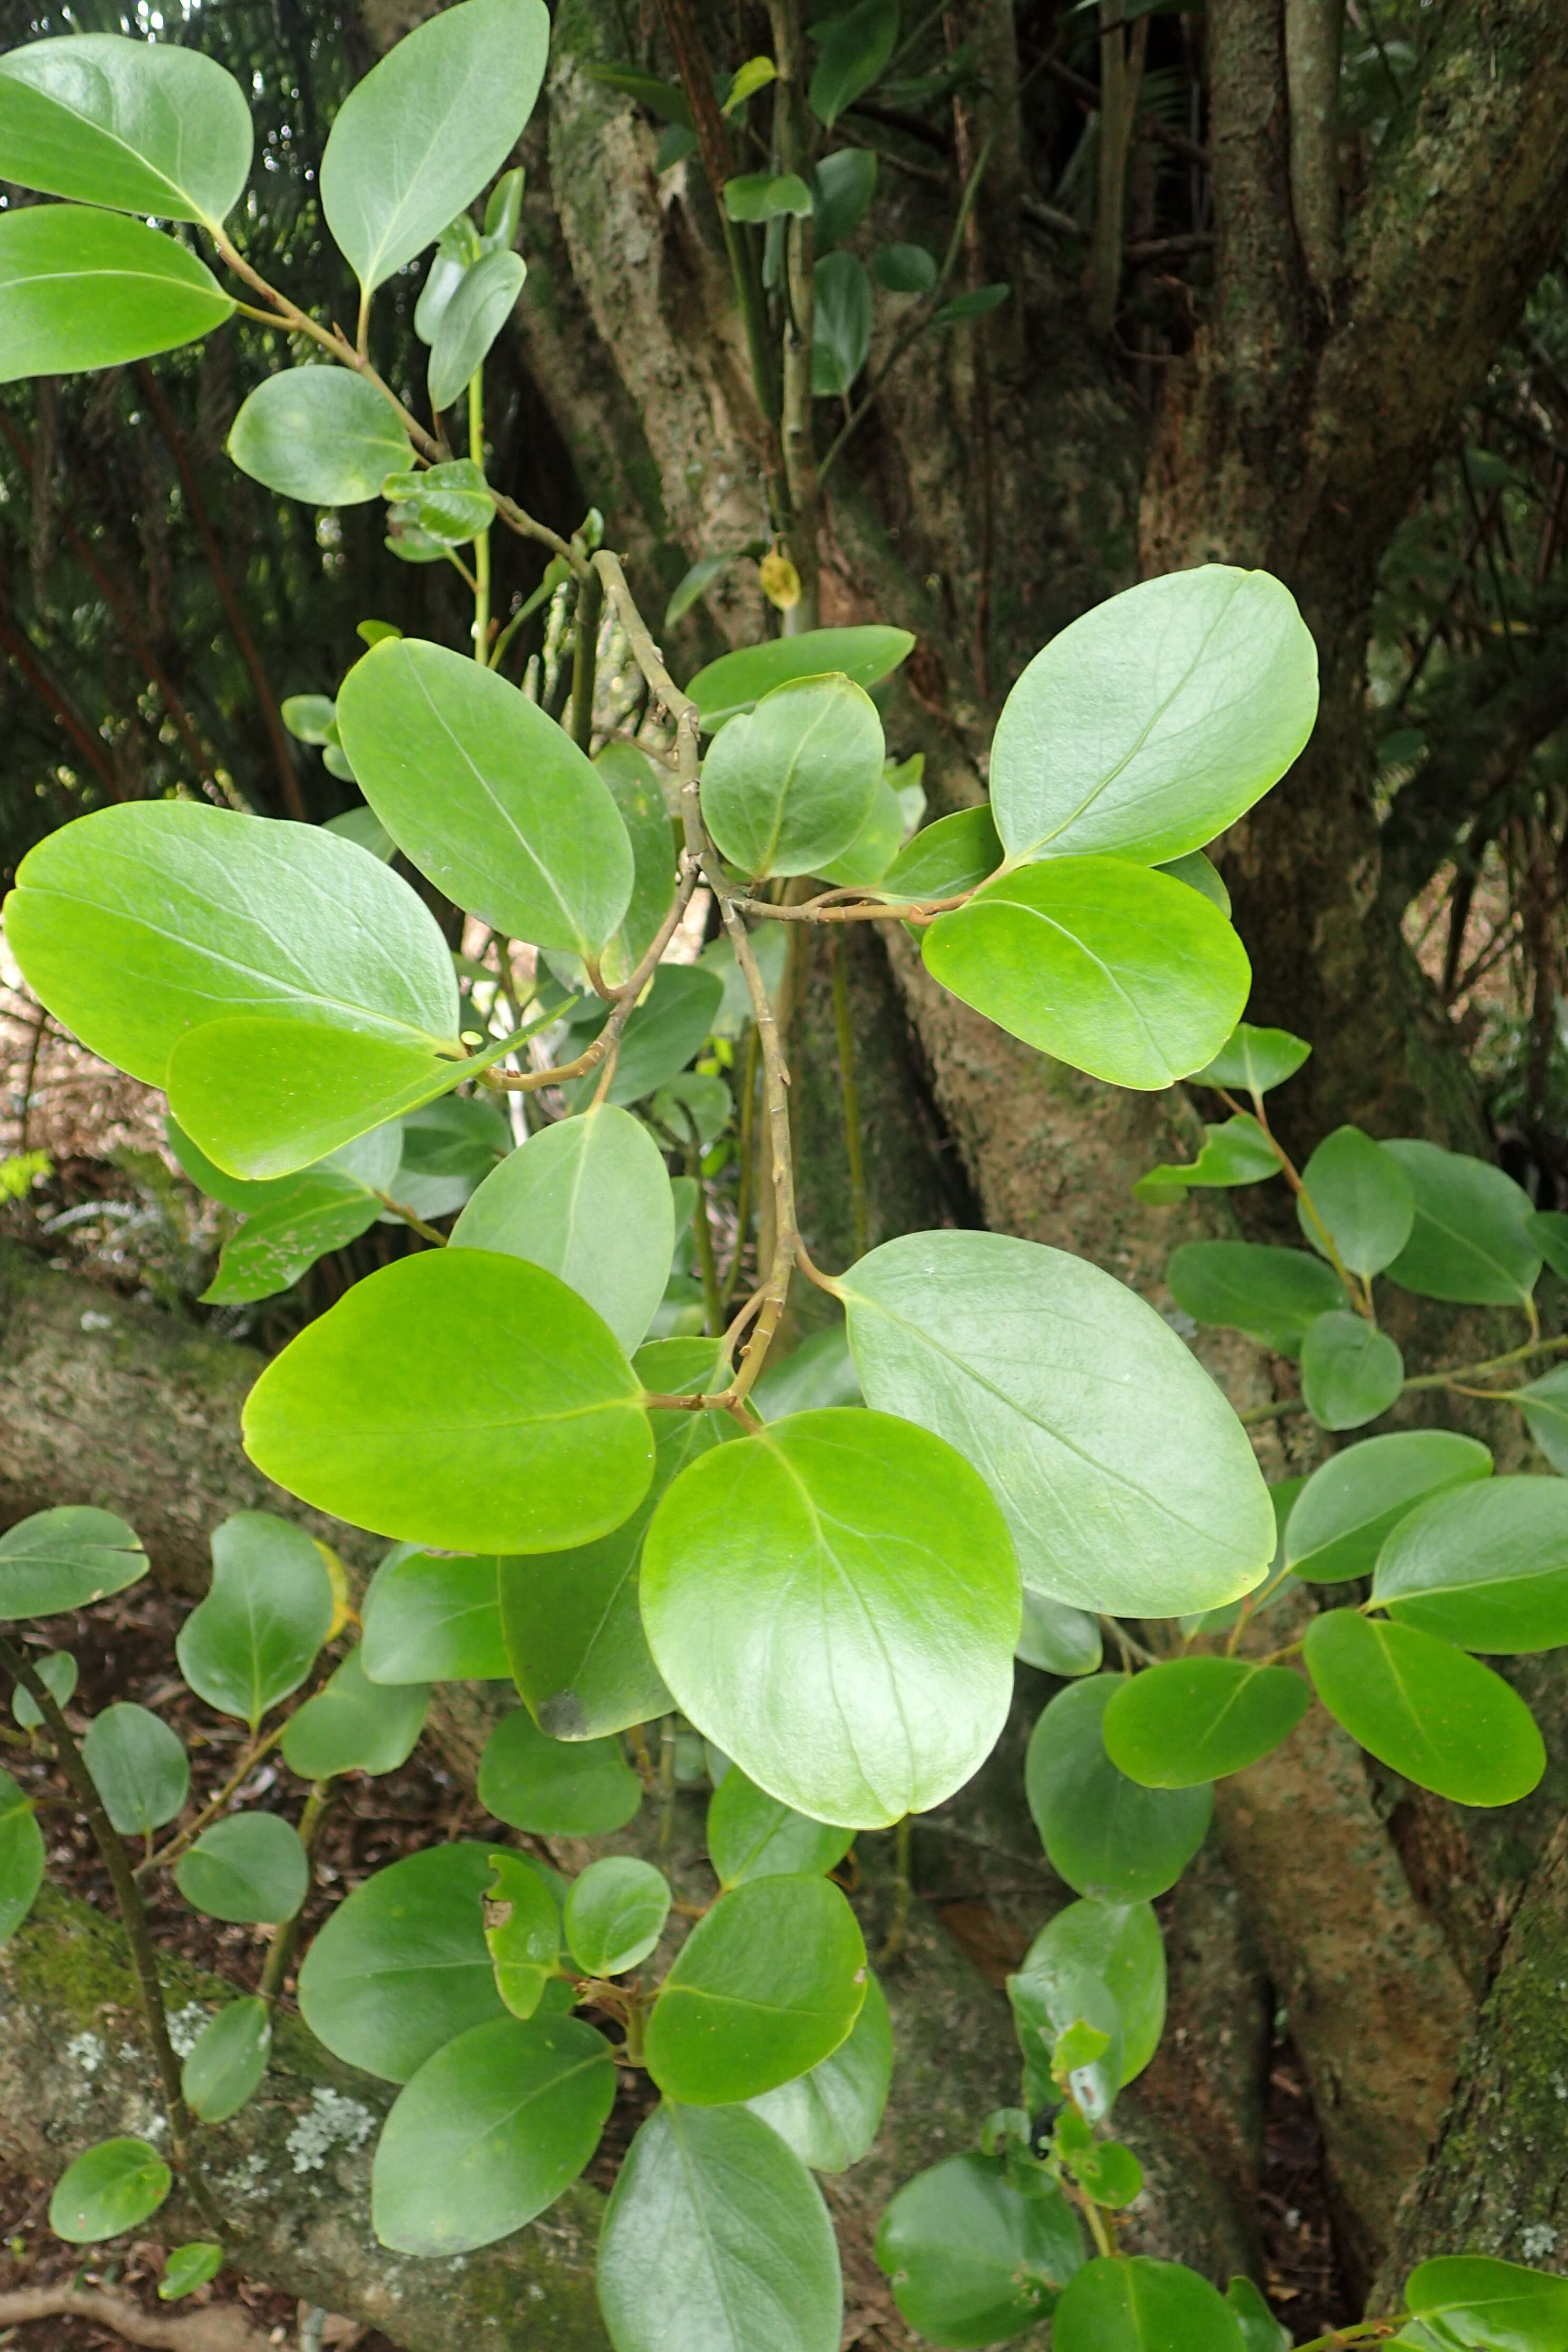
(748, 1162)
(253, 1752)
(1362, 2331)
(609, 1036)
(1360, 1299)
(585, 657)
(702, 1231)
(845, 1028)
(482, 544)
(397, 1208)
(826, 909)
(285, 1935)
(899, 1926)
(666, 1782)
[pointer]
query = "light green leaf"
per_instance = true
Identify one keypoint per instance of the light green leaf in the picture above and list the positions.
(255, 1637)
(791, 785)
(1102, 1834)
(616, 1914)
(694, 1099)
(485, 793)
(820, 1371)
(433, 1621)
(522, 1930)
(1363, 1197)
(1470, 1242)
(555, 1788)
(66, 1559)
(855, 47)
(228, 2061)
(753, 1835)
(1127, 1481)
(764, 196)
(766, 1985)
(21, 1856)
(309, 717)
(268, 1096)
(248, 1867)
(1192, 1720)
(355, 1725)
(108, 2189)
(490, 2131)
(1339, 1519)
(753, 76)
(1109, 967)
(1069, 2030)
(635, 788)
(1425, 1708)
(418, 139)
(56, 1670)
(458, 249)
(955, 854)
(479, 309)
(1058, 1639)
(1122, 1945)
(1200, 873)
(1254, 1059)
(831, 2115)
(86, 290)
(1275, 1296)
(842, 187)
(457, 1399)
(189, 2267)
(402, 1966)
(139, 1767)
(140, 126)
(1483, 2302)
(669, 1026)
(1119, 2304)
(272, 1251)
(842, 314)
(737, 682)
(716, 2239)
(1484, 1566)
(321, 434)
(448, 502)
(906, 269)
(1153, 721)
(972, 2260)
(1351, 1371)
(588, 1198)
(1236, 1154)
(848, 1535)
(876, 845)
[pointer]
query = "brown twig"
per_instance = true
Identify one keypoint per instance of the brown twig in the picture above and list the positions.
(217, 2327)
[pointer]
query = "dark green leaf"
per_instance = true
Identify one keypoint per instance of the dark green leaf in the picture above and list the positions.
(1102, 1834)
(247, 1867)
(1425, 1708)
(753, 1835)
(21, 1856)
(842, 187)
(736, 682)
(1351, 1371)
(139, 1767)
(1058, 1639)
(1362, 1195)
(1470, 1242)
(906, 269)
(1485, 1566)
(669, 1026)
(228, 2061)
(1544, 1404)
(321, 434)
(89, 289)
(1549, 1231)
(142, 126)
(1070, 2031)
(522, 1930)
(975, 304)
(787, 787)
(1261, 2332)
(766, 1985)
(1254, 1059)
(107, 2190)
(556, 1787)
(355, 1725)
(1121, 2304)
(831, 2115)
(429, 1620)
(615, 1915)
(66, 1559)
(255, 1637)
(1347, 1507)
(635, 790)
(402, 1965)
(479, 309)
(854, 48)
(971, 2259)
(1192, 1720)
(1275, 1296)
(1122, 1945)
(842, 314)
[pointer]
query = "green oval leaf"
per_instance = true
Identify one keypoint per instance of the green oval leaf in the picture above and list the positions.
(668, 1028)
(1122, 1945)
(228, 2061)
(616, 1914)
(485, 793)
(635, 788)
(1153, 721)
(479, 309)
(737, 682)
(1102, 964)
(418, 139)
(87, 290)
(855, 47)
(1362, 1196)
(955, 854)
(402, 1966)
(1481, 2301)
(555, 1788)
(1127, 1481)
(1425, 1708)
(1470, 1242)
(763, 196)
(830, 2116)
(1057, 1639)
(1275, 1296)
(66, 1559)
(140, 126)
(428, 1620)
(56, 1670)
(1119, 2304)
(139, 1767)
(1070, 2031)
(457, 1399)
(354, 1725)
(972, 2260)
(1338, 1522)
(766, 1985)
(271, 1095)
(1485, 1567)
(753, 1835)
(1238, 1153)
(790, 784)
(1351, 1371)
(321, 434)
(255, 1637)
(842, 187)
(21, 1856)
(489, 2132)
(849, 1535)
(906, 269)
(1102, 1834)
(107, 2190)
(248, 1867)
(717, 2236)
(843, 312)
(272, 1251)
(189, 2267)
(523, 1931)
(1254, 1059)
(1192, 1720)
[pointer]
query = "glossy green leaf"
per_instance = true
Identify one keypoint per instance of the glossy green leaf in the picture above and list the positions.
(1102, 1834)
(1200, 873)
(354, 1725)
(448, 502)
(906, 269)
(1192, 1720)
(1102, 964)
(555, 1788)
(251, 1196)
(489, 2132)
(450, 1146)
(1470, 1242)
(1482, 2301)
(1351, 1371)
(1362, 1195)
(1053, 2004)
(66, 1559)
(1425, 1708)
(272, 1250)
(766, 195)
(1275, 1296)
(855, 47)
(635, 788)
(736, 682)
(972, 2260)
(766, 1985)
(843, 311)
(1254, 1059)
(485, 793)
(268, 1097)
(56, 1670)
(255, 1637)
(588, 1198)
(321, 434)
(842, 187)
(458, 249)
(92, 289)
(458, 1399)
(753, 1835)
(1126, 1479)
(1338, 1521)
(228, 2061)
(432, 1620)
(955, 854)
(139, 1767)
(716, 2238)
(669, 1026)
(1122, 1945)
(876, 845)
(21, 1856)
(1485, 1566)
(427, 127)
(790, 1584)
(789, 785)
(522, 1930)
(248, 1867)
(140, 126)
(1153, 721)
(1121, 2304)
(139, 922)
(1058, 1639)
(830, 2116)
(479, 309)
(1238, 1153)
(189, 2267)
(616, 1914)
(402, 1966)
(107, 2190)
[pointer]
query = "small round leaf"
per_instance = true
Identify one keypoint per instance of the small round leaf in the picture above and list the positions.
(139, 1767)
(402, 1966)
(1102, 1834)
(250, 1867)
(788, 788)
(555, 1788)
(108, 2189)
(255, 1637)
(1192, 1720)
(971, 2259)
(1351, 1371)
(228, 2061)
(66, 1559)
(615, 1915)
